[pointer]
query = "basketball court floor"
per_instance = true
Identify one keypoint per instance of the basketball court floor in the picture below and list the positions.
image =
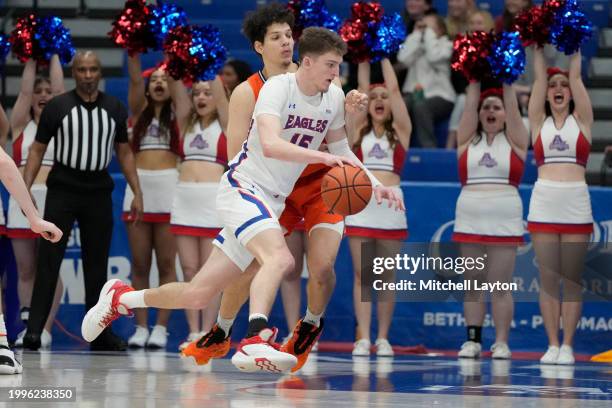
(161, 379)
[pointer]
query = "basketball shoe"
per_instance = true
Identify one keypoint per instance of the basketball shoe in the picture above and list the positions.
(106, 310)
(261, 353)
(214, 344)
(304, 337)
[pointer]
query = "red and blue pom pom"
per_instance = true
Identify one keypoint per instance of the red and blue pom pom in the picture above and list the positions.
(130, 29)
(39, 38)
(5, 47)
(534, 24)
(470, 55)
(570, 28)
(312, 13)
(195, 53)
(370, 35)
(162, 19)
(507, 57)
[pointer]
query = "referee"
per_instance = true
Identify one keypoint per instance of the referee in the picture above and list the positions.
(85, 125)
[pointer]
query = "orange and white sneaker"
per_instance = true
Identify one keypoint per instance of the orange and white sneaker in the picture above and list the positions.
(304, 337)
(106, 310)
(261, 353)
(213, 344)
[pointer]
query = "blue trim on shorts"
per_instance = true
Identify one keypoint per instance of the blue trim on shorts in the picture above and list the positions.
(219, 238)
(262, 208)
(230, 177)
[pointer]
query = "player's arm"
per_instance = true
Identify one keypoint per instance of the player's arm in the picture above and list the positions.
(4, 127)
(274, 147)
(337, 144)
(240, 109)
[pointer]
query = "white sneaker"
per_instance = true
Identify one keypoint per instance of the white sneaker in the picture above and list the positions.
(470, 349)
(383, 348)
(106, 310)
(566, 355)
(362, 348)
(139, 338)
(158, 337)
(500, 351)
(20, 336)
(8, 362)
(45, 340)
(551, 355)
(191, 338)
(260, 353)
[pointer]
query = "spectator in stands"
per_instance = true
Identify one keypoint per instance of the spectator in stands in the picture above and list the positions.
(457, 20)
(492, 146)
(155, 142)
(428, 91)
(235, 72)
(415, 10)
(79, 188)
(479, 20)
(560, 218)
(380, 139)
(34, 95)
(512, 8)
(202, 119)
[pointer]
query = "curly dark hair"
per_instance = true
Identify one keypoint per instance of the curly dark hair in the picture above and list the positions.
(256, 23)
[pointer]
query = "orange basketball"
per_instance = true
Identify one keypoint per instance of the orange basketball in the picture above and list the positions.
(346, 190)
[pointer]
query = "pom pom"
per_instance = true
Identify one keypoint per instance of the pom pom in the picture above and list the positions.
(507, 57)
(470, 55)
(195, 53)
(570, 28)
(312, 13)
(5, 47)
(22, 37)
(130, 29)
(163, 18)
(388, 38)
(53, 38)
(534, 24)
(370, 35)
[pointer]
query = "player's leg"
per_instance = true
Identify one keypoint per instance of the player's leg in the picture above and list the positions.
(208, 315)
(474, 306)
(291, 288)
(189, 257)
(8, 363)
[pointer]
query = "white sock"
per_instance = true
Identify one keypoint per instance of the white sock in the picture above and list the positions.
(258, 316)
(311, 318)
(225, 324)
(3, 339)
(133, 299)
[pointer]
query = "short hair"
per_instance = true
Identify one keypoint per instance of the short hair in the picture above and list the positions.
(256, 22)
(316, 41)
(84, 54)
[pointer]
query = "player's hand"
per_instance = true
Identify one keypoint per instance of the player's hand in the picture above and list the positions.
(388, 193)
(136, 208)
(355, 101)
(46, 229)
(332, 160)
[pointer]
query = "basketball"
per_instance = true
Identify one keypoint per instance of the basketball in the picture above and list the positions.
(346, 190)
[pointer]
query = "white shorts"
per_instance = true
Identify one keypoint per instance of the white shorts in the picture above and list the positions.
(158, 192)
(489, 217)
(378, 221)
(245, 211)
(194, 210)
(17, 225)
(560, 208)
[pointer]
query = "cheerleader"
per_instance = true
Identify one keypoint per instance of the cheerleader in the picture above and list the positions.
(560, 217)
(155, 142)
(381, 137)
(492, 146)
(33, 97)
(202, 120)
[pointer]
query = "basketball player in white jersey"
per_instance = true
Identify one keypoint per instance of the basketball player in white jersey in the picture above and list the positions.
(293, 115)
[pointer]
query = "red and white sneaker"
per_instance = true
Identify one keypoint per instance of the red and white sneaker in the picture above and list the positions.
(261, 353)
(106, 310)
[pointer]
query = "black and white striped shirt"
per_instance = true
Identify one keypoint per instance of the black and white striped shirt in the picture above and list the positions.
(84, 132)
